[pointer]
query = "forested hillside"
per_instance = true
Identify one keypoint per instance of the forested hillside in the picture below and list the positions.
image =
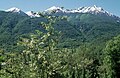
(59, 45)
(75, 28)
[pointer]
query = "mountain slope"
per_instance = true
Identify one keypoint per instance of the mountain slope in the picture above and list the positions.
(14, 25)
(16, 10)
(90, 27)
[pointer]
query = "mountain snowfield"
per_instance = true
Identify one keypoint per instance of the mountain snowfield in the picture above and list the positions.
(13, 9)
(16, 10)
(33, 14)
(91, 9)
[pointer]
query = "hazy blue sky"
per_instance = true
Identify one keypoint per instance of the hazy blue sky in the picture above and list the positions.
(112, 6)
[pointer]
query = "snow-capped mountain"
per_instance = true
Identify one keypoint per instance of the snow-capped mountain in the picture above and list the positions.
(33, 14)
(91, 9)
(54, 9)
(16, 10)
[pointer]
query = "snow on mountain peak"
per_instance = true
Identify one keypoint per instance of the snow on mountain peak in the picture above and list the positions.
(53, 8)
(14, 9)
(91, 9)
(33, 14)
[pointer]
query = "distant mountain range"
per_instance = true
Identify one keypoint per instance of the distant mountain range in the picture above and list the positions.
(91, 9)
(92, 25)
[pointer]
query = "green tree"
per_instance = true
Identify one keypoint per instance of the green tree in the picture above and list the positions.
(112, 58)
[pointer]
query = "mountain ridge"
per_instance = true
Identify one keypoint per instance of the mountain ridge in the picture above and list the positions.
(76, 27)
(16, 10)
(55, 9)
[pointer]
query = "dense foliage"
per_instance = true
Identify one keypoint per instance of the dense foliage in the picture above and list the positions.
(42, 59)
(112, 58)
(70, 46)
(75, 28)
